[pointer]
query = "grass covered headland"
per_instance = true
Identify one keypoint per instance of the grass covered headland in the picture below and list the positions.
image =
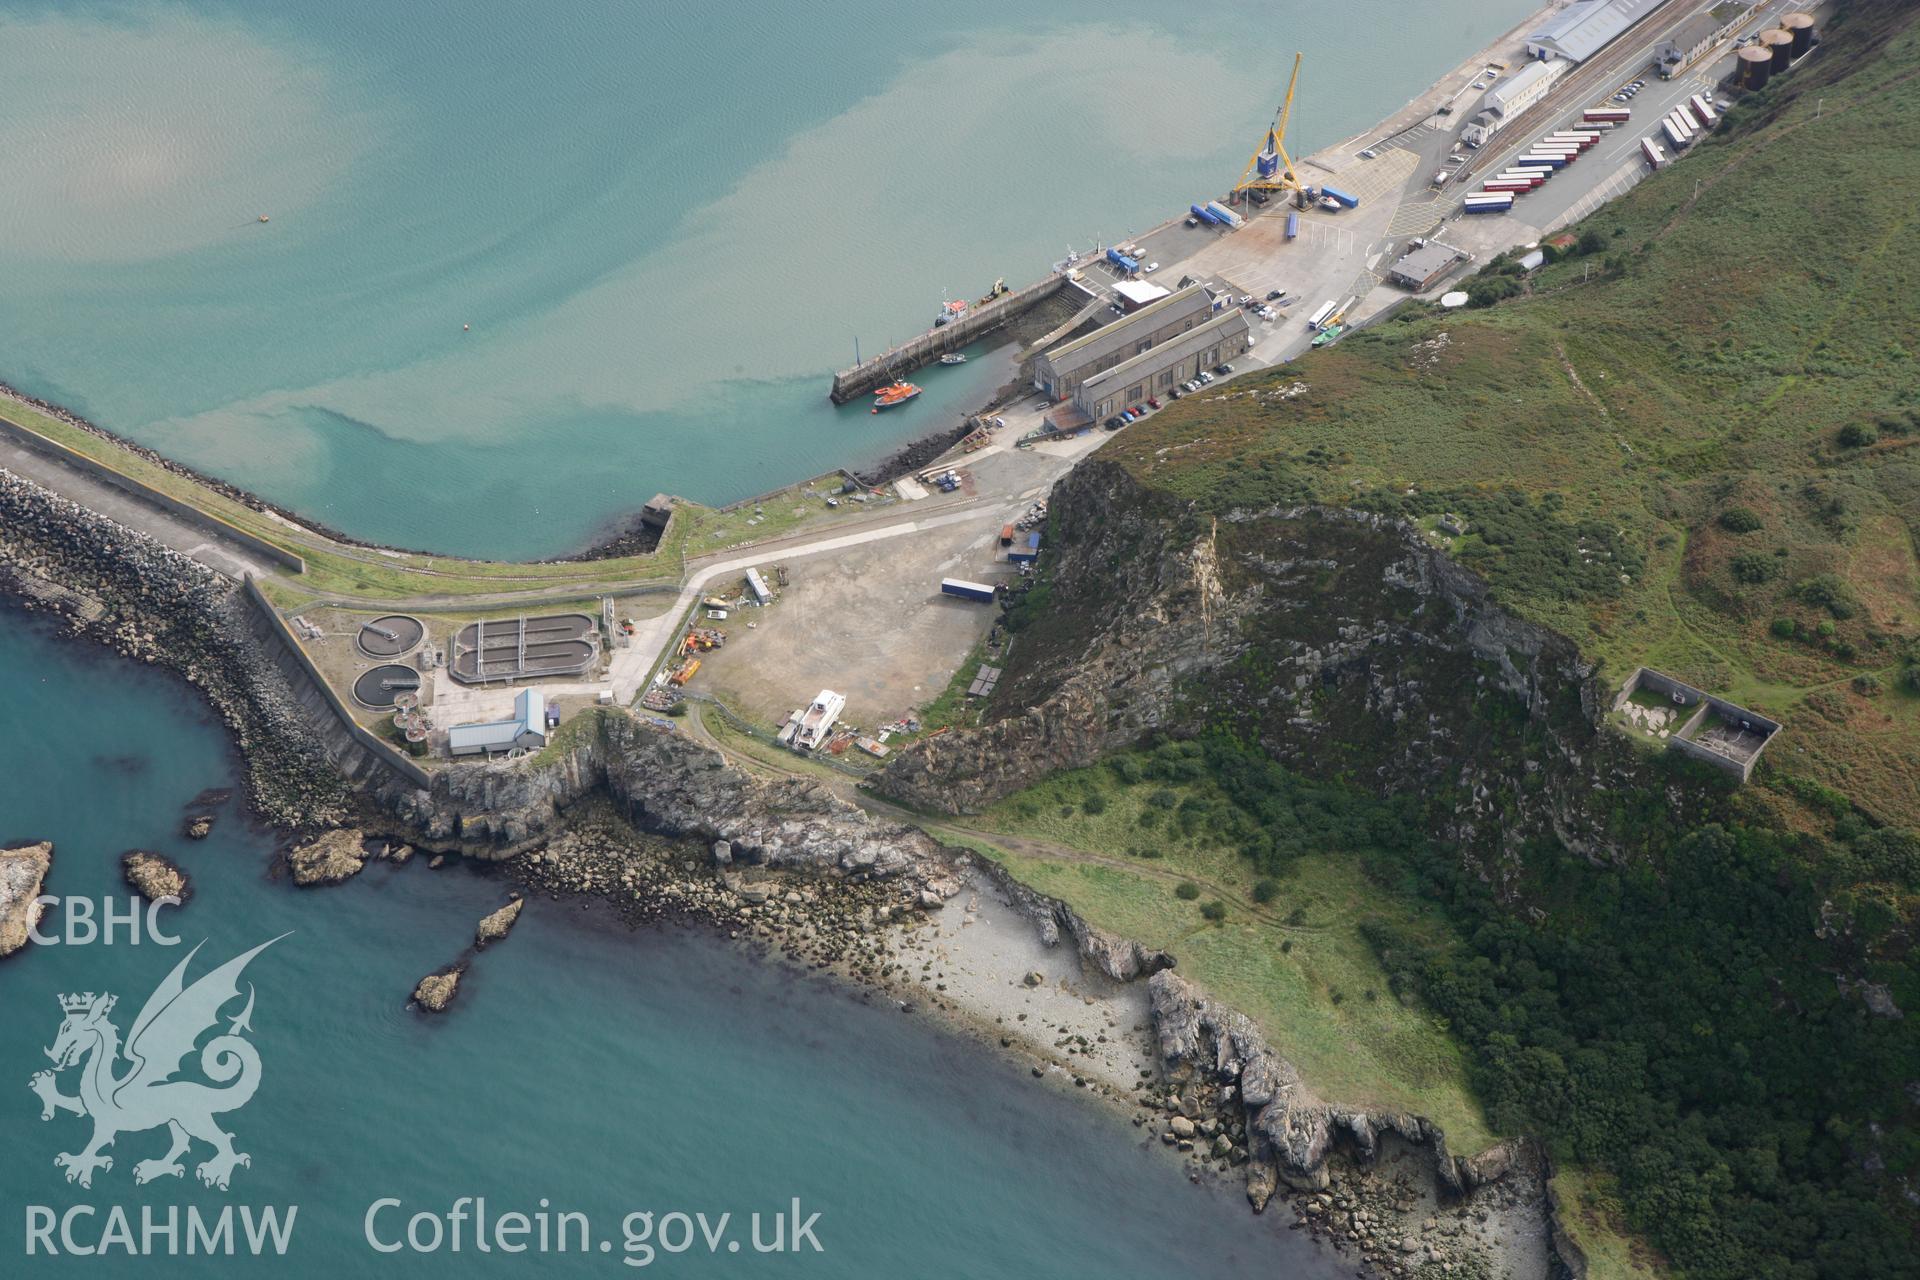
(1691, 441)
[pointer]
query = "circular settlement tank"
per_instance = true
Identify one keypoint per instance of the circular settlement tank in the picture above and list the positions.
(390, 637)
(1780, 44)
(379, 686)
(1800, 26)
(1756, 65)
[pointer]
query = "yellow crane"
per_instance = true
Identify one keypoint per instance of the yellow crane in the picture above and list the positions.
(1271, 168)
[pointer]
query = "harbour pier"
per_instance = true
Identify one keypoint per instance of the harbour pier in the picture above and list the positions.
(980, 319)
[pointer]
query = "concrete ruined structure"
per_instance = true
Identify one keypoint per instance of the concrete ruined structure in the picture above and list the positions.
(1724, 734)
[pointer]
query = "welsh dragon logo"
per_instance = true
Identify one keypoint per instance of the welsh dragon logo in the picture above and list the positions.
(145, 1095)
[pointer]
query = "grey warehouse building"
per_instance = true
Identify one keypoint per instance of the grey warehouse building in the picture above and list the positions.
(1583, 28)
(1059, 372)
(1157, 370)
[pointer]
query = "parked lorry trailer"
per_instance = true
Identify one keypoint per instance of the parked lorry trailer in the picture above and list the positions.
(1122, 262)
(979, 592)
(1600, 115)
(1223, 215)
(1340, 197)
(1557, 160)
(1489, 202)
(1703, 112)
(1205, 215)
(1673, 136)
(1293, 224)
(1655, 157)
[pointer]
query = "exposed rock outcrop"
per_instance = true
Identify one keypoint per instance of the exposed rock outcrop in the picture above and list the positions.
(436, 991)
(1122, 959)
(1290, 1131)
(666, 784)
(499, 924)
(154, 876)
(328, 859)
(23, 870)
(1323, 634)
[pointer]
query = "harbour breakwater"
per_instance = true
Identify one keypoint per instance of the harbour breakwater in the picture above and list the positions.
(983, 318)
(659, 825)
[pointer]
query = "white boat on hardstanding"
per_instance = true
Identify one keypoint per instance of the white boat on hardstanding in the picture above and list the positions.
(817, 721)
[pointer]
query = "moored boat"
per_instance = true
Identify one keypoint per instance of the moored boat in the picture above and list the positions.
(953, 357)
(894, 393)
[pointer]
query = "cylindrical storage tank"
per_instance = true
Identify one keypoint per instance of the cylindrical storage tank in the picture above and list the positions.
(1756, 65)
(1800, 27)
(1780, 44)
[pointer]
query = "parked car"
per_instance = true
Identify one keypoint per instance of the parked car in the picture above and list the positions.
(1151, 268)
(1368, 154)
(1192, 221)
(1619, 97)
(1223, 369)
(1113, 424)
(1205, 376)
(1176, 393)
(1637, 85)
(1274, 295)
(1152, 403)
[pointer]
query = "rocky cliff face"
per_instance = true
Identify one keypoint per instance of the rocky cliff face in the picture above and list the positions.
(663, 783)
(1343, 642)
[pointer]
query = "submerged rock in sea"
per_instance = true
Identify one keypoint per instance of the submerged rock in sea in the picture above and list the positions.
(333, 857)
(155, 877)
(499, 924)
(436, 990)
(23, 869)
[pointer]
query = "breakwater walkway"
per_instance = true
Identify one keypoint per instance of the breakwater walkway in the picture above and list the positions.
(981, 319)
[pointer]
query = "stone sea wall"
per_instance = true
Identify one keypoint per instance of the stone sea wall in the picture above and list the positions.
(156, 606)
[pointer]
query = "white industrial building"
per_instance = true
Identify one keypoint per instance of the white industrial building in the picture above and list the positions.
(526, 731)
(1511, 97)
(1585, 27)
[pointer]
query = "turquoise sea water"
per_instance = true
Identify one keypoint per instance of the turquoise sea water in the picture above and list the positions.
(605, 1070)
(665, 224)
